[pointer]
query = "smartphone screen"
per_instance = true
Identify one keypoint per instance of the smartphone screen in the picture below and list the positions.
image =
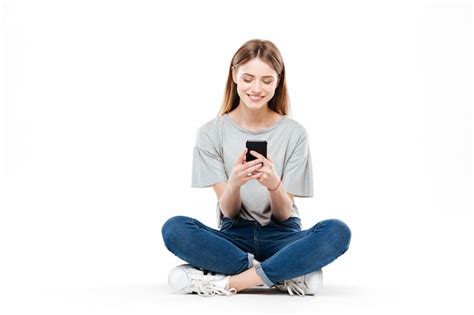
(256, 145)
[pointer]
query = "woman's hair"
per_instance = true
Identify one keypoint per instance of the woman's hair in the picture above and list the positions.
(269, 53)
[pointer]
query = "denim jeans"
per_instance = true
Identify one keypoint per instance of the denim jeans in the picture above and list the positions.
(284, 250)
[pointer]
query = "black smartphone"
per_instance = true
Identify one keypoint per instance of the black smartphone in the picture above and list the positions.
(257, 145)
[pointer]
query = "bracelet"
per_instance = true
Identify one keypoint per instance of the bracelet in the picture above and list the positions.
(275, 187)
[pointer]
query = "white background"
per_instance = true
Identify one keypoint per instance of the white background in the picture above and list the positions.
(100, 104)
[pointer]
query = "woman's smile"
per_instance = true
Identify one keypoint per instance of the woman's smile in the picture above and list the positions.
(254, 98)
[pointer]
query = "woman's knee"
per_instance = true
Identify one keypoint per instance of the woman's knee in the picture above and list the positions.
(340, 231)
(172, 227)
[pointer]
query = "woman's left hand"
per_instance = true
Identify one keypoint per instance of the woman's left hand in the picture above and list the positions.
(268, 176)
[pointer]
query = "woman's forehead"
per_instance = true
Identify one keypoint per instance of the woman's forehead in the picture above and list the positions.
(257, 67)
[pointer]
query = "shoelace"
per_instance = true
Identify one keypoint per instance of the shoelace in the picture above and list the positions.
(204, 285)
(208, 288)
(294, 285)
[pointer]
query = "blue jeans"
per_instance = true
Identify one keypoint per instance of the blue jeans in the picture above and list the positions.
(284, 250)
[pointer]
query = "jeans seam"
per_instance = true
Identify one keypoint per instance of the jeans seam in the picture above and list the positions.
(255, 240)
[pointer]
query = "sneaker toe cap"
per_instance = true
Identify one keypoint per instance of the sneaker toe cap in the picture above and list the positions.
(178, 279)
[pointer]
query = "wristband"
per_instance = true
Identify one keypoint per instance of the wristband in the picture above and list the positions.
(275, 187)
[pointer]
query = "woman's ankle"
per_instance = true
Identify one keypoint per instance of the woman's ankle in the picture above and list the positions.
(244, 280)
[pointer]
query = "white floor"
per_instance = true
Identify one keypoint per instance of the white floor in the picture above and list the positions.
(153, 298)
(447, 293)
(87, 260)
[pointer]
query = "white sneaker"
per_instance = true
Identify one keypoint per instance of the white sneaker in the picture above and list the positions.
(308, 284)
(188, 279)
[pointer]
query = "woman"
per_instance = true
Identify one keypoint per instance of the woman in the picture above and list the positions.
(259, 241)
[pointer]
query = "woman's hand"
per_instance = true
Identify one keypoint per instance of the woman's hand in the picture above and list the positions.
(243, 171)
(269, 178)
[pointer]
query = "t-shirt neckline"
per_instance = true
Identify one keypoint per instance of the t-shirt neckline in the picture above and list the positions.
(232, 122)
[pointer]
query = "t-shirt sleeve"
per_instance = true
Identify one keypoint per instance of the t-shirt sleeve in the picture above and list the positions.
(208, 165)
(297, 175)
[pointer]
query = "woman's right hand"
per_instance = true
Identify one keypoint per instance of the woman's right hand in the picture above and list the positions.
(241, 170)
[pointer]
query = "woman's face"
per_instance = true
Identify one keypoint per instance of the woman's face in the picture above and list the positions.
(256, 83)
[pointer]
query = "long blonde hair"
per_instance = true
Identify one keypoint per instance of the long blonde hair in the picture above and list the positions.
(269, 53)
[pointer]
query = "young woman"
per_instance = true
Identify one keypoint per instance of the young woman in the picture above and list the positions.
(259, 240)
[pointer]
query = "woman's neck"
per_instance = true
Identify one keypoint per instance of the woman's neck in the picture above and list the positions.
(254, 119)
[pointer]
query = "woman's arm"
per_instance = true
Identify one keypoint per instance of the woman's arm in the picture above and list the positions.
(229, 199)
(228, 193)
(281, 203)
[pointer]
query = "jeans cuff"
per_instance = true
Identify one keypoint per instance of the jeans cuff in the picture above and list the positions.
(250, 256)
(264, 277)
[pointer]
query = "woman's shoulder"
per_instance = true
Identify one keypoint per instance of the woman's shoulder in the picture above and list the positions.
(295, 127)
(212, 125)
(210, 131)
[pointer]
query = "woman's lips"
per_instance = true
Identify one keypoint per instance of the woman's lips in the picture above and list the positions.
(255, 97)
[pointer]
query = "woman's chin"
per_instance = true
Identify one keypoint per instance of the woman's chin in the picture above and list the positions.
(255, 106)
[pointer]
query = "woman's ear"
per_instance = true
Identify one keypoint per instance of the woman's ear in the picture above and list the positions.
(234, 74)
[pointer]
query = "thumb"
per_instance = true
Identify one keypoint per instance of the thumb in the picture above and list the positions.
(241, 159)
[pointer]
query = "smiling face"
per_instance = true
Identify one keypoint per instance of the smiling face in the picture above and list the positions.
(256, 83)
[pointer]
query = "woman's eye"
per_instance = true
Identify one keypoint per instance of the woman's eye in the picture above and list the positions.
(265, 82)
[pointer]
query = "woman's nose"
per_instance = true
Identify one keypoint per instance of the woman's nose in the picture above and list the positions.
(256, 87)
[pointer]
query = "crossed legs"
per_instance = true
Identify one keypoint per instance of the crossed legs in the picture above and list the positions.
(213, 250)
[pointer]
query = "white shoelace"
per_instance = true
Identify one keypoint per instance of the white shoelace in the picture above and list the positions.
(296, 286)
(205, 288)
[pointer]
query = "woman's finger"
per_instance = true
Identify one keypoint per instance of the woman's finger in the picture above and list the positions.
(259, 156)
(252, 164)
(257, 175)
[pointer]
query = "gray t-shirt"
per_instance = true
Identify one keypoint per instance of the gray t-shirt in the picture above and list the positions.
(220, 141)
